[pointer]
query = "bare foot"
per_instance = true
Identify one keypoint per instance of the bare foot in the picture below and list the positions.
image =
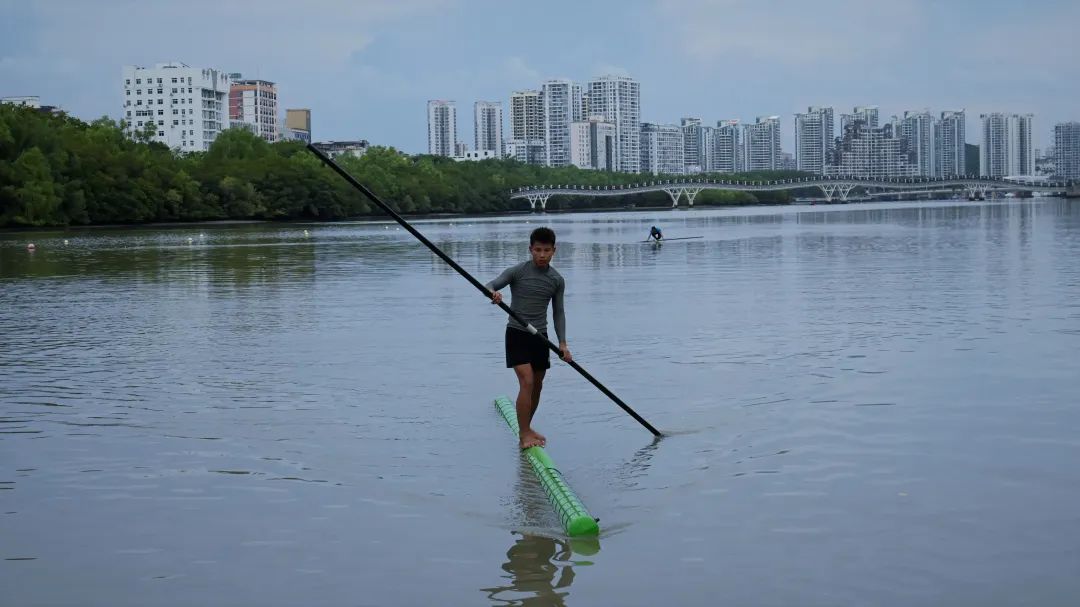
(531, 438)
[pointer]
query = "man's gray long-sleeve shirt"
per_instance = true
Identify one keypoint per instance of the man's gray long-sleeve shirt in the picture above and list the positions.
(531, 288)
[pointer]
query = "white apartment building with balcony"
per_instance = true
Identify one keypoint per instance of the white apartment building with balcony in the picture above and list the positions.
(185, 107)
(442, 128)
(592, 144)
(253, 105)
(814, 138)
(526, 143)
(618, 100)
(950, 139)
(488, 127)
(662, 150)
(563, 106)
(727, 147)
(870, 153)
(1007, 148)
(761, 145)
(693, 146)
(1067, 150)
(917, 132)
(868, 114)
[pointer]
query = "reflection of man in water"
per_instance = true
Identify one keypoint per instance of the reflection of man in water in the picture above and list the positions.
(533, 563)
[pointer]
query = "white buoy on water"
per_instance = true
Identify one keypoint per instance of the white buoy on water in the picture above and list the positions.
(30, 247)
(65, 241)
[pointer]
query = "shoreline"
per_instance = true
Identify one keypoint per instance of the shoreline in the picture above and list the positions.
(359, 219)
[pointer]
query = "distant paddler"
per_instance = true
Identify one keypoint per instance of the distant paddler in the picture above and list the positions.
(655, 233)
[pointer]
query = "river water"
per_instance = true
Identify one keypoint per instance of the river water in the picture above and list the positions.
(872, 404)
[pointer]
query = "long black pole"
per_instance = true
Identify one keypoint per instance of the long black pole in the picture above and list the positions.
(476, 283)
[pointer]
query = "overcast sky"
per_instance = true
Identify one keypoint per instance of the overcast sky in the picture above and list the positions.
(366, 68)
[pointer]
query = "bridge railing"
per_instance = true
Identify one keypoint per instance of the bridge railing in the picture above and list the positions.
(809, 181)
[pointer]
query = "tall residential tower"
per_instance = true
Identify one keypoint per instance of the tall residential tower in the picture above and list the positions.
(1007, 147)
(563, 106)
(618, 100)
(761, 145)
(1067, 150)
(442, 128)
(950, 139)
(488, 127)
(253, 106)
(813, 139)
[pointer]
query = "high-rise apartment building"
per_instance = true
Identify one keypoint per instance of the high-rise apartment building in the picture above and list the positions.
(526, 143)
(761, 145)
(185, 107)
(727, 147)
(1007, 147)
(662, 149)
(526, 115)
(592, 144)
(442, 128)
(868, 114)
(693, 146)
(618, 100)
(708, 149)
(488, 126)
(253, 105)
(950, 139)
(917, 132)
(1067, 150)
(563, 106)
(870, 153)
(813, 139)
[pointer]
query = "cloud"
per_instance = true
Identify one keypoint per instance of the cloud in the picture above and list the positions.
(517, 71)
(790, 33)
(246, 34)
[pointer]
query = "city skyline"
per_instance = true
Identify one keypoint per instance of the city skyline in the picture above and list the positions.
(368, 68)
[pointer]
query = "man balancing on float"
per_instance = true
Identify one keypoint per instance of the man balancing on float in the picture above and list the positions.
(532, 285)
(654, 232)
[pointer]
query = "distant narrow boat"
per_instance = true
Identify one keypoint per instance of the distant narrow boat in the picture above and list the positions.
(669, 239)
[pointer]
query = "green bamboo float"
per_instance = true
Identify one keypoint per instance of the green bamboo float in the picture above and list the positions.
(575, 518)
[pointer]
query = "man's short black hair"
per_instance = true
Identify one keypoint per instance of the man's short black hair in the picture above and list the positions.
(543, 236)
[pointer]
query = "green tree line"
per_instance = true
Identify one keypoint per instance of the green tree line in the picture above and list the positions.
(56, 170)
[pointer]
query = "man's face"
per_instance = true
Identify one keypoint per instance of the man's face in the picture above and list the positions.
(542, 253)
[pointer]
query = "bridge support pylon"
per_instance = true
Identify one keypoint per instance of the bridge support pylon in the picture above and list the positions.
(831, 190)
(535, 198)
(675, 193)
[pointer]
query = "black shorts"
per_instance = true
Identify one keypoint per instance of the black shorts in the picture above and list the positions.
(523, 347)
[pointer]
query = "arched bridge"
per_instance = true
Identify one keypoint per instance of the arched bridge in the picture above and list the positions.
(831, 187)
